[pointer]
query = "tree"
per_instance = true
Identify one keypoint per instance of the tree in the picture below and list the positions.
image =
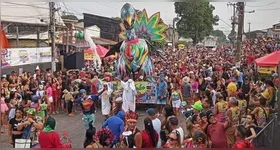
(220, 34)
(158, 44)
(70, 17)
(195, 19)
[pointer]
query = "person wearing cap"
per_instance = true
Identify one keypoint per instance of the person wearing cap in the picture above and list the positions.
(31, 122)
(69, 99)
(117, 109)
(216, 132)
(162, 93)
(197, 107)
(186, 90)
(152, 114)
(88, 107)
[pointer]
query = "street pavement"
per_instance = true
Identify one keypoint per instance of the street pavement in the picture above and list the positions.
(75, 127)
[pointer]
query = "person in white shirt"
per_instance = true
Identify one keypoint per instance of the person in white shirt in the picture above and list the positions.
(156, 123)
(213, 94)
(129, 95)
(173, 121)
(105, 100)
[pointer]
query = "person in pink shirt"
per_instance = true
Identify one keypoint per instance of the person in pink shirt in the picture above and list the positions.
(216, 132)
(50, 96)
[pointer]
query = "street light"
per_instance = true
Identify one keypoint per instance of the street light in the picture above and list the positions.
(249, 12)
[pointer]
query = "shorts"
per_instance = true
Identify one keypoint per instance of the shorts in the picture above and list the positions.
(176, 104)
(161, 101)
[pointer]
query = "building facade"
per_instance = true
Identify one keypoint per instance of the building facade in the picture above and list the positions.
(109, 27)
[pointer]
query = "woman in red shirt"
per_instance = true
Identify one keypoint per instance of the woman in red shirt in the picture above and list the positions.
(149, 135)
(55, 95)
(240, 135)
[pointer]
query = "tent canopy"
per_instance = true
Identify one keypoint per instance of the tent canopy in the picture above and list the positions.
(269, 60)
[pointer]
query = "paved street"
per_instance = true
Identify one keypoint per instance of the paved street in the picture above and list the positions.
(74, 126)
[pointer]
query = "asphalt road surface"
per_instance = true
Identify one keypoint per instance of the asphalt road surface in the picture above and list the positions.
(75, 127)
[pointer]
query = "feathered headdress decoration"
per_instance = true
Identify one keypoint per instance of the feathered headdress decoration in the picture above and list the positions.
(107, 135)
(131, 116)
(149, 28)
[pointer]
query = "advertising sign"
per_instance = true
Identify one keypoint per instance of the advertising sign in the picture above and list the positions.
(24, 56)
(266, 69)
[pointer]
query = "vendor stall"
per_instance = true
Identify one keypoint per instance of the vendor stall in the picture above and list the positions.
(268, 63)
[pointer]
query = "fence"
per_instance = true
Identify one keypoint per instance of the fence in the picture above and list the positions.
(266, 137)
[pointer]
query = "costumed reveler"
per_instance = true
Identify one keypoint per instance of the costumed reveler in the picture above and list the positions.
(88, 106)
(138, 31)
(131, 125)
(129, 95)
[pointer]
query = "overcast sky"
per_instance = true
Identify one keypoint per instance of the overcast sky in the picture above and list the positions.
(266, 13)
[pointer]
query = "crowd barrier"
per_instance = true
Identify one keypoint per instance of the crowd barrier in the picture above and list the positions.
(266, 137)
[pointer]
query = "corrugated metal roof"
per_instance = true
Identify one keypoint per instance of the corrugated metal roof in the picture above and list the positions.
(43, 36)
(28, 12)
(97, 41)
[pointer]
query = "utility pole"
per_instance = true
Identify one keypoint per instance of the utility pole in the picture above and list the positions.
(173, 34)
(67, 40)
(241, 8)
(17, 42)
(38, 36)
(233, 23)
(0, 59)
(249, 32)
(52, 33)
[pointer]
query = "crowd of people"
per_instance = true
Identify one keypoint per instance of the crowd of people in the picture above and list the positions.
(224, 105)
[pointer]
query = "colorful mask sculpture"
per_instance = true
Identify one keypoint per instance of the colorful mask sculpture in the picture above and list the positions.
(137, 31)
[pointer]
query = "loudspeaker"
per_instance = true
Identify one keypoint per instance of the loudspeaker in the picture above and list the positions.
(74, 61)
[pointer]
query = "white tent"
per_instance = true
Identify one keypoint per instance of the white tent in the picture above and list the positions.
(28, 12)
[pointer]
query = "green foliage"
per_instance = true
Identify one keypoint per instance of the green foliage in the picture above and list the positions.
(158, 44)
(220, 34)
(70, 17)
(195, 19)
(232, 36)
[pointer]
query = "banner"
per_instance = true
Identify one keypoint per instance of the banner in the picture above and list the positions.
(24, 56)
(266, 70)
(146, 92)
(88, 56)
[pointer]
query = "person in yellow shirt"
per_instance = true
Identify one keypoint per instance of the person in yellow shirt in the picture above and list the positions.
(231, 89)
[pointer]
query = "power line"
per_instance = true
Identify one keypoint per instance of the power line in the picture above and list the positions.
(262, 5)
(28, 5)
(225, 22)
(271, 9)
(107, 5)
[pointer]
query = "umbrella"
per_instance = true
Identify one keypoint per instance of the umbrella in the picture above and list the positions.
(101, 51)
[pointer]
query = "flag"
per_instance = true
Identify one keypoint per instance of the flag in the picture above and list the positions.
(4, 40)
